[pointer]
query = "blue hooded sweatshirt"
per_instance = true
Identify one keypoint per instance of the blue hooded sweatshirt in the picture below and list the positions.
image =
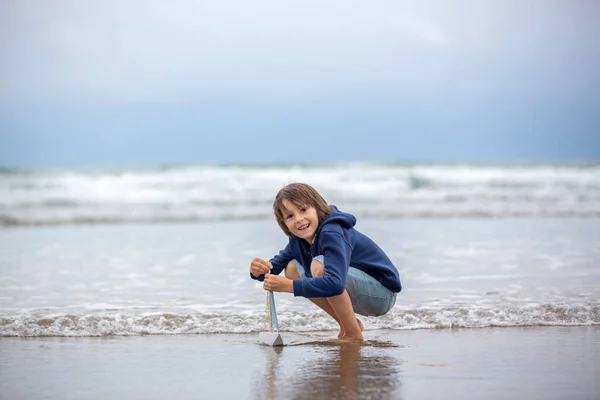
(342, 246)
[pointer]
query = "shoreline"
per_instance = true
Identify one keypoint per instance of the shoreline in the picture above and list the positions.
(320, 334)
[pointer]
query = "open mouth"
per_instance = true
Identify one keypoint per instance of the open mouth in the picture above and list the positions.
(303, 227)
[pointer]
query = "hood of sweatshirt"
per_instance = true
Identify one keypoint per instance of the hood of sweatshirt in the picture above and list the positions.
(343, 219)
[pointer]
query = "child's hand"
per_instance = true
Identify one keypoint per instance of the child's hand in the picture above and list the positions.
(259, 267)
(276, 283)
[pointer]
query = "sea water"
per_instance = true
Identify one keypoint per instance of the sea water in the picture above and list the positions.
(167, 250)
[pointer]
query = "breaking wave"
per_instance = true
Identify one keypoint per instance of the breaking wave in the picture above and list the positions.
(202, 323)
(208, 193)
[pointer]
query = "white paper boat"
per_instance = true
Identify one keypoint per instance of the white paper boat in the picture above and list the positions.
(271, 338)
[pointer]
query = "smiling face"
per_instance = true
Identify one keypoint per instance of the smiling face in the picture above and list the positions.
(300, 201)
(301, 221)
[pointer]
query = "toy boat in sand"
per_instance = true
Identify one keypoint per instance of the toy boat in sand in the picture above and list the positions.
(272, 337)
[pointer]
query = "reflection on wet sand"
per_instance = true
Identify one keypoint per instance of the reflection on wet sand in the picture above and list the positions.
(322, 370)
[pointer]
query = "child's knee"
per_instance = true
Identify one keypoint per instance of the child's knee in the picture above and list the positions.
(317, 268)
(291, 272)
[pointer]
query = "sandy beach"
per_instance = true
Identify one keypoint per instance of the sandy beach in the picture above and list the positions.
(491, 363)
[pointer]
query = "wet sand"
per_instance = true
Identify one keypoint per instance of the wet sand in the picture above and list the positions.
(493, 363)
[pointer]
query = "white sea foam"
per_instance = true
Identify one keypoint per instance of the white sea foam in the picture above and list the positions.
(242, 192)
(247, 322)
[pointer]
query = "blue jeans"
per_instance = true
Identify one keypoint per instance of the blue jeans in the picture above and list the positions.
(369, 297)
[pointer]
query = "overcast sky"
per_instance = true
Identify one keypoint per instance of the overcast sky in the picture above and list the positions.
(151, 82)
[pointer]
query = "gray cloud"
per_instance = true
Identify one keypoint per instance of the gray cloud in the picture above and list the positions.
(298, 53)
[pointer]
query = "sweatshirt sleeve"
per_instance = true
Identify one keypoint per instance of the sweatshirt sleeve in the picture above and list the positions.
(279, 262)
(336, 252)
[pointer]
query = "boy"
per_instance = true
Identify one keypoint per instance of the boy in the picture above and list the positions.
(329, 262)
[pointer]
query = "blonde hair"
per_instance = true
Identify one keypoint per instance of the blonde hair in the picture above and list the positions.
(300, 195)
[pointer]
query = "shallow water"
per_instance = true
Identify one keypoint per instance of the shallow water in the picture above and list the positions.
(193, 278)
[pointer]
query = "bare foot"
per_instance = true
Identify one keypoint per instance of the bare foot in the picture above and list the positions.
(341, 333)
(348, 339)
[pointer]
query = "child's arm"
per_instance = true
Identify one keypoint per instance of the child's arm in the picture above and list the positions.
(277, 263)
(336, 252)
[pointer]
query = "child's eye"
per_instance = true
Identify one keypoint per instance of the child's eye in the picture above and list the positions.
(288, 216)
(303, 209)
